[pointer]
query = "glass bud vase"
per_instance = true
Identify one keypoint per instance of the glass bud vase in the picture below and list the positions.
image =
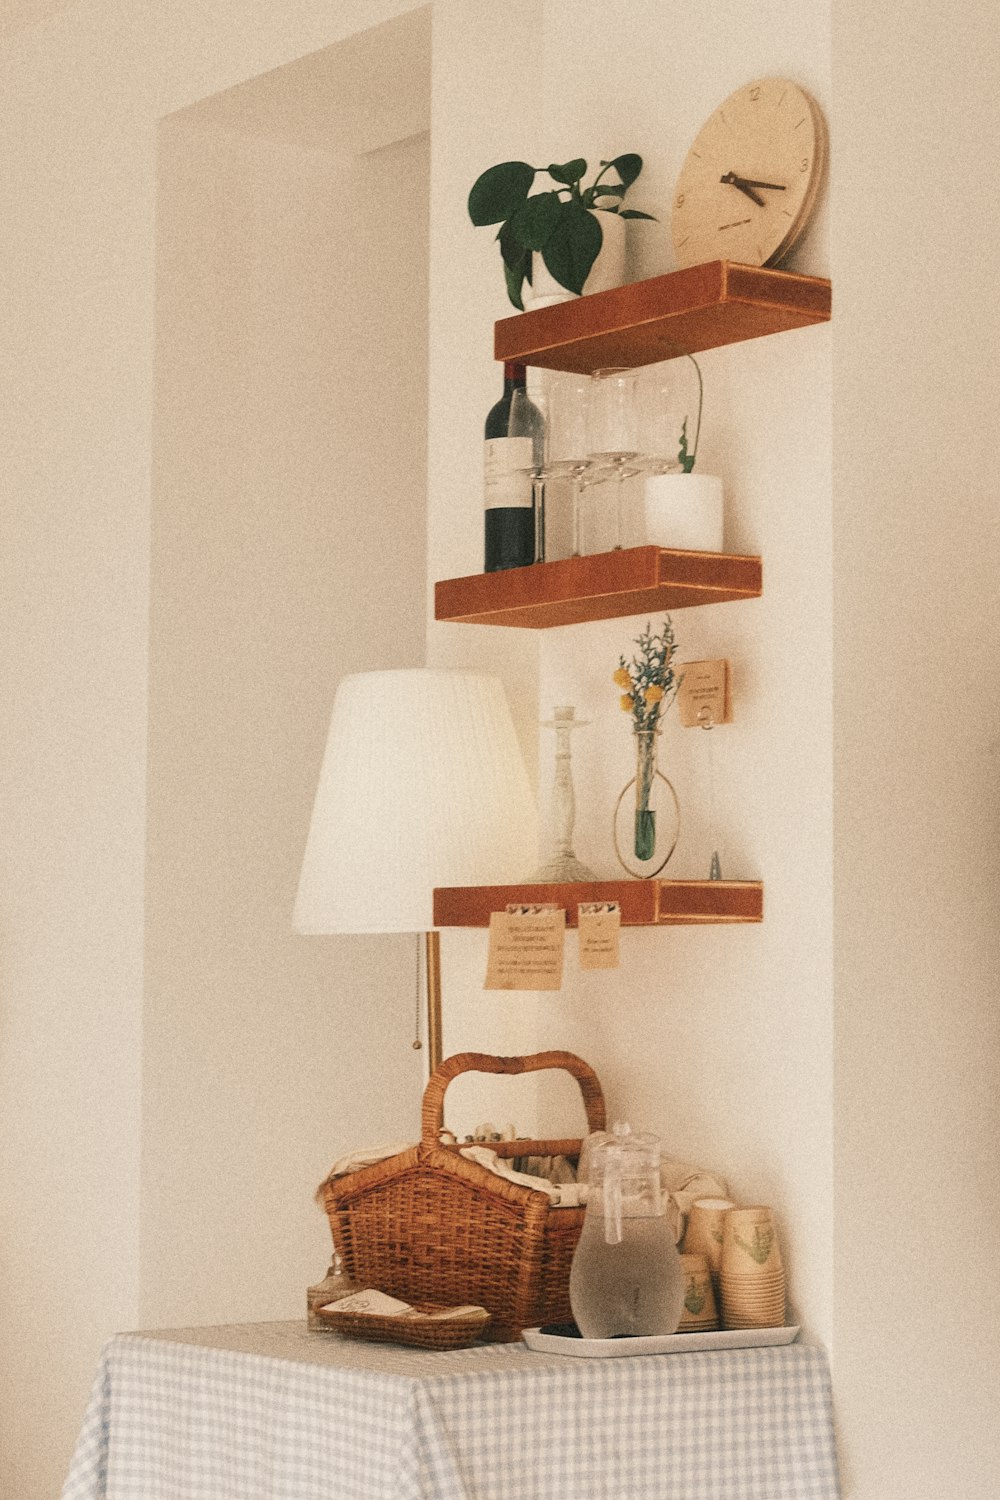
(647, 814)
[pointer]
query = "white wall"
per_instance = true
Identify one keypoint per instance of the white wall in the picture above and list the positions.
(75, 418)
(917, 790)
(281, 429)
(686, 1034)
(94, 1092)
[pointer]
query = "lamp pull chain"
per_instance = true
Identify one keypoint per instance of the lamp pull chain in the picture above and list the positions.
(417, 1043)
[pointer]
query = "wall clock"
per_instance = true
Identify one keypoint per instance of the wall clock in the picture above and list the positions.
(749, 181)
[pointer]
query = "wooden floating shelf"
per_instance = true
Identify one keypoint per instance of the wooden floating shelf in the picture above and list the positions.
(601, 587)
(701, 307)
(644, 903)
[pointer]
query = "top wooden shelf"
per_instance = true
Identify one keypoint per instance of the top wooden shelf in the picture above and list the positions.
(701, 307)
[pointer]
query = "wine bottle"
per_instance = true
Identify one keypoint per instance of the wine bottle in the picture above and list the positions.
(512, 450)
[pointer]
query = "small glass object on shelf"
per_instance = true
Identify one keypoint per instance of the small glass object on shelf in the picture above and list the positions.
(648, 824)
(614, 434)
(335, 1285)
(562, 866)
(647, 814)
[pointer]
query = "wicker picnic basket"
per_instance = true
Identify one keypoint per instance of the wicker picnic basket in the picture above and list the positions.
(429, 1226)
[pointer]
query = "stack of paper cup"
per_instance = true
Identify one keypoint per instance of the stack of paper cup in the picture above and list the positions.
(699, 1313)
(751, 1275)
(703, 1235)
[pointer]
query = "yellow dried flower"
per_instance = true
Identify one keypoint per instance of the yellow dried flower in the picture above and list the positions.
(626, 703)
(622, 678)
(653, 693)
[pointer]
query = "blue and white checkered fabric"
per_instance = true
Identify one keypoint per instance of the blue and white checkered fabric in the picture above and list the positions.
(275, 1413)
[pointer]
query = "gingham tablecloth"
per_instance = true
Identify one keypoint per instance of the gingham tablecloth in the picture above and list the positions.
(271, 1411)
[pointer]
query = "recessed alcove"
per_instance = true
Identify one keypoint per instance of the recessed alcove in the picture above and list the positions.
(289, 467)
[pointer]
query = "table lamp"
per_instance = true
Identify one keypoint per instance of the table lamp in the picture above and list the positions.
(422, 784)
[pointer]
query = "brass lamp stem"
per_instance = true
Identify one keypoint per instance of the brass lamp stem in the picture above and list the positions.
(433, 961)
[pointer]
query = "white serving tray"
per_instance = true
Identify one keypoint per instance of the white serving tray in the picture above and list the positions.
(663, 1343)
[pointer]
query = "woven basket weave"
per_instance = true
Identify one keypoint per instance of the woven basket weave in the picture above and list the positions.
(429, 1226)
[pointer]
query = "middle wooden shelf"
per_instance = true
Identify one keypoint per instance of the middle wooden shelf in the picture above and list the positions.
(629, 581)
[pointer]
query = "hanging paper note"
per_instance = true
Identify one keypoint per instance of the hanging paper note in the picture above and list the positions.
(599, 925)
(703, 695)
(526, 949)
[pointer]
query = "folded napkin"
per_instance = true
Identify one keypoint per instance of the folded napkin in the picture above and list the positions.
(560, 1194)
(378, 1304)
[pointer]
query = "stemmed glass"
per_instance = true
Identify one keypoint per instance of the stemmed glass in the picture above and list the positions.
(526, 419)
(614, 431)
(568, 410)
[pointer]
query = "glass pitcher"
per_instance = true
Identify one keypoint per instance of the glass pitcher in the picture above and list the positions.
(626, 1277)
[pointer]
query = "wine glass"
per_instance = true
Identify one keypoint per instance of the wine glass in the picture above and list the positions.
(614, 431)
(526, 419)
(568, 439)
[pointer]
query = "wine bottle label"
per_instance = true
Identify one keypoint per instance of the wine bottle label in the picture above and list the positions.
(507, 471)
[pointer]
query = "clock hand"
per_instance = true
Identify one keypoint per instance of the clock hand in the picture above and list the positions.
(778, 187)
(737, 182)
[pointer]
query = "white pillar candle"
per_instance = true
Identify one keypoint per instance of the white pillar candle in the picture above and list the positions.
(685, 511)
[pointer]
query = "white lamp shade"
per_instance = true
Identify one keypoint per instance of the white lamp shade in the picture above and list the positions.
(422, 785)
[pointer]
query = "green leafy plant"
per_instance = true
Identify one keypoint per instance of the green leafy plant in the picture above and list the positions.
(559, 223)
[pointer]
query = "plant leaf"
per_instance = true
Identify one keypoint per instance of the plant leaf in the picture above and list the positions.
(516, 264)
(514, 277)
(499, 190)
(573, 246)
(510, 246)
(628, 167)
(604, 189)
(569, 172)
(633, 213)
(535, 219)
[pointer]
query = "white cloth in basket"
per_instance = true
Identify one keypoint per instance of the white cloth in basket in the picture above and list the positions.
(682, 1183)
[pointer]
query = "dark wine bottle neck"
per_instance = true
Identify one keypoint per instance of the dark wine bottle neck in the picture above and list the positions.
(514, 377)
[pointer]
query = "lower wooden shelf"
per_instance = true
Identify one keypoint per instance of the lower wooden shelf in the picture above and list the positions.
(644, 903)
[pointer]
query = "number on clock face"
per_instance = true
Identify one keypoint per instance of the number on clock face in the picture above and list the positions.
(750, 178)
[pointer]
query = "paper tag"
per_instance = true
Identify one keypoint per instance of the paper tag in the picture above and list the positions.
(703, 696)
(526, 949)
(370, 1301)
(599, 924)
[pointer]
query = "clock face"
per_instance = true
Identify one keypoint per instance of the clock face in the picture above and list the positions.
(749, 182)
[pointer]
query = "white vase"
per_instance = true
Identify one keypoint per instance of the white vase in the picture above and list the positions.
(607, 271)
(685, 511)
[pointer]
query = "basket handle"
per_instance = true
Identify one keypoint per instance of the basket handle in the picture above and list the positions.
(432, 1115)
